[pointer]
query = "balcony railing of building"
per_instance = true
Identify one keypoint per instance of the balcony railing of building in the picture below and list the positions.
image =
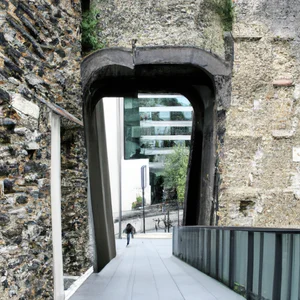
(258, 263)
(165, 131)
(166, 114)
(150, 123)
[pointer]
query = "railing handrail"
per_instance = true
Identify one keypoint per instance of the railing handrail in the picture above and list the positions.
(256, 262)
(251, 229)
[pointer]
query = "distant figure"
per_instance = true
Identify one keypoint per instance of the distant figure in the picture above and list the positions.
(129, 230)
(138, 154)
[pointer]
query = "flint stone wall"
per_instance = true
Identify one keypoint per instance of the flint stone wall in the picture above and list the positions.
(40, 60)
(260, 174)
(40, 53)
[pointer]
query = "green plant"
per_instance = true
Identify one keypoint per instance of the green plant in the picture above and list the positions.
(225, 9)
(175, 171)
(90, 28)
(137, 203)
(240, 289)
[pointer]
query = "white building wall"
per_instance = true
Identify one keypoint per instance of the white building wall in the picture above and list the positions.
(112, 128)
(131, 182)
(131, 169)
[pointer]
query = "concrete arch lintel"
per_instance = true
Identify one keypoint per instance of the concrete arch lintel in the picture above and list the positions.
(182, 55)
(92, 64)
(165, 55)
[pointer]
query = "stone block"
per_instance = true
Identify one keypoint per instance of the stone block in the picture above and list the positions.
(282, 134)
(296, 154)
(8, 186)
(282, 82)
(21, 131)
(1, 188)
(7, 122)
(4, 168)
(2, 17)
(25, 106)
(31, 178)
(4, 95)
(13, 232)
(35, 167)
(22, 199)
(32, 146)
(296, 93)
(34, 80)
(4, 219)
(19, 212)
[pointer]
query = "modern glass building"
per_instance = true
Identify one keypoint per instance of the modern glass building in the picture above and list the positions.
(153, 125)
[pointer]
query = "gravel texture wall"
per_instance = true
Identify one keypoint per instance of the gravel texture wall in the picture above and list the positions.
(260, 162)
(151, 23)
(40, 54)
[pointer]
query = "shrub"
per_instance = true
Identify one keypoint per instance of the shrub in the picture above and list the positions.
(137, 203)
(90, 28)
(225, 9)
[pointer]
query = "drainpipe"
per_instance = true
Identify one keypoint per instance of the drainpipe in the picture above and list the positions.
(56, 208)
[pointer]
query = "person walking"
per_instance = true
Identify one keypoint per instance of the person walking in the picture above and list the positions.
(129, 230)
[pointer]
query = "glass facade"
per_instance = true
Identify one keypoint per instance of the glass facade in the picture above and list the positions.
(153, 125)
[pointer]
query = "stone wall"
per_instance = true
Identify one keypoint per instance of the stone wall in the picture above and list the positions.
(75, 230)
(260, 176)
(40, 53)
(168, 22)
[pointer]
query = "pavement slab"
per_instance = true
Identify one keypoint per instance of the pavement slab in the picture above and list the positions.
(147, 270)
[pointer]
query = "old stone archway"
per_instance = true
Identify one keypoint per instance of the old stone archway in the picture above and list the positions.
(199, 76)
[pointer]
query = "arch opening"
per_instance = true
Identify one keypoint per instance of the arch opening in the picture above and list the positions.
(157, 128)
(118, 73)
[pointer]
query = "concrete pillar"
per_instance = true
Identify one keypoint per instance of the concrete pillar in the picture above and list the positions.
(56, 208)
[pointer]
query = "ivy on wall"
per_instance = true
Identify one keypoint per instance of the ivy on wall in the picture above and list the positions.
(90, 29)
(175, 170)
(225, 9)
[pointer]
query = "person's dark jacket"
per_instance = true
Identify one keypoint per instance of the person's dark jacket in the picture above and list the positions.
(129, 229)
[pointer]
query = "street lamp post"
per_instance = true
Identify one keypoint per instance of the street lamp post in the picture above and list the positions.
(143, 189)
(143, 185)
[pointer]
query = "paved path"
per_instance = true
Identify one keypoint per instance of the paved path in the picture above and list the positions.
(146, 270)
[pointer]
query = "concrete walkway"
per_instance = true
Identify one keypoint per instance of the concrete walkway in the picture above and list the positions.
(146, 270)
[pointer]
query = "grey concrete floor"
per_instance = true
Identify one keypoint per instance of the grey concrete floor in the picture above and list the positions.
(146, 270)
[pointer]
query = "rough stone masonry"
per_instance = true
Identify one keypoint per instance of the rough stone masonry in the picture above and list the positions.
(258, 158)
(40, 55)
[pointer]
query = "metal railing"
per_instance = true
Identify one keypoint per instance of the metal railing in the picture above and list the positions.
(257, 263)
(158, 218)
